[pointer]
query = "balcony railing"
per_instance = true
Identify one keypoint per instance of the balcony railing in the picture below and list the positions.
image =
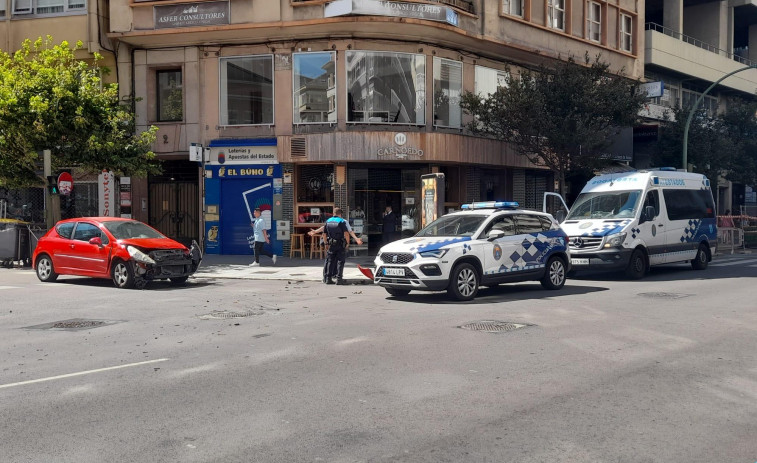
(696, 42)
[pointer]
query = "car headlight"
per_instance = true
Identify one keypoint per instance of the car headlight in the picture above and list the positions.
(616, 240)
(437, 253)
(139, 256)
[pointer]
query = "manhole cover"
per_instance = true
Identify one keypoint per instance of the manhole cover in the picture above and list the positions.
(221, 314)
(72, 325)
(664, 295)
(491, 326)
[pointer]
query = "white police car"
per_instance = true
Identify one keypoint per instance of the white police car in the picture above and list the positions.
(483, 245)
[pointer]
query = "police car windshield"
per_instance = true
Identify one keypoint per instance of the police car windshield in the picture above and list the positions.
(454, 225)
(605, 205)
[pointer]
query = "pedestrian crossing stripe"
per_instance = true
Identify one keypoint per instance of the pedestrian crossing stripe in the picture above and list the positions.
(733, 262)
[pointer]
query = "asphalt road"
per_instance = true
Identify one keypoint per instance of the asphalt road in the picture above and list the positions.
(606, 370)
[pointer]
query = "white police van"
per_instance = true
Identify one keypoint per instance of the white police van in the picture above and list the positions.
(633, 220)
(483, 245)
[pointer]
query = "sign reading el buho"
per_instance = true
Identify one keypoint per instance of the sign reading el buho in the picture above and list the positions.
(191, 14)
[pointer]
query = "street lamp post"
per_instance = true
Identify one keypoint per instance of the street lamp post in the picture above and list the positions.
(696, 105)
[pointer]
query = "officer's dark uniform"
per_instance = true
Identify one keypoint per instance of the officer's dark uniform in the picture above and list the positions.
(335, 229)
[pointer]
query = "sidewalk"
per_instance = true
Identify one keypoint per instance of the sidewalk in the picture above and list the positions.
(286, 268)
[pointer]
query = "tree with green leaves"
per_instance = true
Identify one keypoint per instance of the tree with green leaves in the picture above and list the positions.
(49, 99)
(720, 145)
(563, 116)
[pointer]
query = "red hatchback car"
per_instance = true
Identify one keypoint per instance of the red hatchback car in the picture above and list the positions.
(129, 252)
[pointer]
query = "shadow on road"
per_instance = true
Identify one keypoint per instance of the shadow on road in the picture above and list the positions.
(158, 285)
(501, 293)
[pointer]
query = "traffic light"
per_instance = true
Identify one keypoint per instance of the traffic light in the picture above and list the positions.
(52, 184)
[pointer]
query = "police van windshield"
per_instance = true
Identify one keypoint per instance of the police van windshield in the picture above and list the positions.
(605, 205)
(453, 225)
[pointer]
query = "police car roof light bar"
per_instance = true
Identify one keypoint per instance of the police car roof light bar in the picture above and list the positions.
(491, 205)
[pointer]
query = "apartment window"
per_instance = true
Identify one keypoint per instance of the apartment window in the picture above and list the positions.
(594, 22)
(448, 85)
(709, 103)
(48, 6)
(488, 80)
(513, 7)
(314, 86)
(626, 33)
(169, 96)
(247, 90)
(386, 87)
(556, 14)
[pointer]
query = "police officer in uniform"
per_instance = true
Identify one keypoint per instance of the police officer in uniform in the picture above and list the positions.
(327, 273)
(337, 237)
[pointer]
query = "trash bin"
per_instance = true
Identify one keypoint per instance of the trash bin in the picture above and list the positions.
(14, 242)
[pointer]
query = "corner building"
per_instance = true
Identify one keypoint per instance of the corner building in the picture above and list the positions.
(304, 106)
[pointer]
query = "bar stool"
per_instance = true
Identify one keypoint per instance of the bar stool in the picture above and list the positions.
(297, 244)
(316, 248)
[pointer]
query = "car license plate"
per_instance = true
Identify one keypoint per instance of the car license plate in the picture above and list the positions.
(394, 272)
(579, 261)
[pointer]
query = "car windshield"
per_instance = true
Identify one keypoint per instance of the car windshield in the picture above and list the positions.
(130, 230)
(453, 225)
(607, 205)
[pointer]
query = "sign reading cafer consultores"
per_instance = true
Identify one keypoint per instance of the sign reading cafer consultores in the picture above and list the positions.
(191, 14)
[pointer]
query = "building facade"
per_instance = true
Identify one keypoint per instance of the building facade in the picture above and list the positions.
(304, 106)
(689, 45)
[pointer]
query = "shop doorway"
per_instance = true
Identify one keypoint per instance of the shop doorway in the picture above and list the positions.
(371, 190)
(239, 198)
(174, 203)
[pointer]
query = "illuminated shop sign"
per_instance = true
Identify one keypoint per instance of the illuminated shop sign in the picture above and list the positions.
(386, 8)
(191, 15)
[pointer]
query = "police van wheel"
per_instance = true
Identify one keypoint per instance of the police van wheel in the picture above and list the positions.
(637, 266)
(397, 292)
(554, 274)
(700, 261)
(464, 283)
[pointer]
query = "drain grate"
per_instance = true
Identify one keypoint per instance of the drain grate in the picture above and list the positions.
(73, 324)
(660, 295)
(223, 314)
(492, 326)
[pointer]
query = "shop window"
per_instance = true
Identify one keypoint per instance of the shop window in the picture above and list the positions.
(594, 21)
(488, 80)
(314, 84)
(315, 193)
(448, 85)
(626, 33)
(556, 14)
(386, 88)
(48, 6)
(247, 90)
(169, 96)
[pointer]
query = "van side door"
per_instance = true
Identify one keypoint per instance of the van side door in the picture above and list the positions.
(651, 228)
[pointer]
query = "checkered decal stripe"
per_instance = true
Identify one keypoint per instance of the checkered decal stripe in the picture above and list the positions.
(531, 254)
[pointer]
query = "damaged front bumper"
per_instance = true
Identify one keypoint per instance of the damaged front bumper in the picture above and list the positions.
(169, 264)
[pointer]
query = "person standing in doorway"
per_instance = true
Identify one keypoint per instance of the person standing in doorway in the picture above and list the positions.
(261, 238)
(389, 226)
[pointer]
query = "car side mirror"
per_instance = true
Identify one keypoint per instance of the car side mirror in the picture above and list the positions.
(96, 240)
(495, 234)
(560, 216)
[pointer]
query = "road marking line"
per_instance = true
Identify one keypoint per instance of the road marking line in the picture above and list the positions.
(735, 262)
(9, 287)
(69, 375)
